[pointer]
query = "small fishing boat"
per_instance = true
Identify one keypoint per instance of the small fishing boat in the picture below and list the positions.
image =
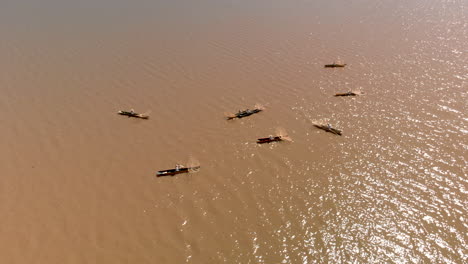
(131, 113)
(328, 128)
(178, 170)
(335, 65)
(241, 114)
(269, 139)
(346, 94)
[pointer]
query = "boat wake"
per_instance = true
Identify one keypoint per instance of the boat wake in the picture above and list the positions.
(260, 106)
(281, 132)
(229, 115)
(319, 122)
(147, 113)
(193, 164)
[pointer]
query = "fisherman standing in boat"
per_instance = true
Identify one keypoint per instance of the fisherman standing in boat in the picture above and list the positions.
(178, 167)
(329, 126)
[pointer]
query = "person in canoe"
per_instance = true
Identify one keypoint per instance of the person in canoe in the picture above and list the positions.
(328, 128)
(241, 114)
(335, 65)
(178, 167)
(349, 93)
(132, 113)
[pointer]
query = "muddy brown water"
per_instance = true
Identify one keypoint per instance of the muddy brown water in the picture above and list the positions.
(77, 181)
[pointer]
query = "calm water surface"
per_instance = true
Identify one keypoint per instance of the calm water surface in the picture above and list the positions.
(77, 181)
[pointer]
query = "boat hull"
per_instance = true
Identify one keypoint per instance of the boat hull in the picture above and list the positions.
(129, 114)
(172, 172)
(335, 65)
(268, 140)
(329, 129)
(245, 114)
(346, 94)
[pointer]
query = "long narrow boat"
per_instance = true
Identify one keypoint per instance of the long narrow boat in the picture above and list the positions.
(244, 113)
(346, 94)
(328, 128)
(269, 139)
(335, 65)
(132, 114)
(172, 172)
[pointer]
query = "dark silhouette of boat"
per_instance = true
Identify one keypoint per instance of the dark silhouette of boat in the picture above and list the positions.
(241, 114)
(335, 65)
(131, 113)
(328, 128)
(178, 170)
(346, 94)
(269, 139)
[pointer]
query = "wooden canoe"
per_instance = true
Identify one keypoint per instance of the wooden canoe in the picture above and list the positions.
(172, 172)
